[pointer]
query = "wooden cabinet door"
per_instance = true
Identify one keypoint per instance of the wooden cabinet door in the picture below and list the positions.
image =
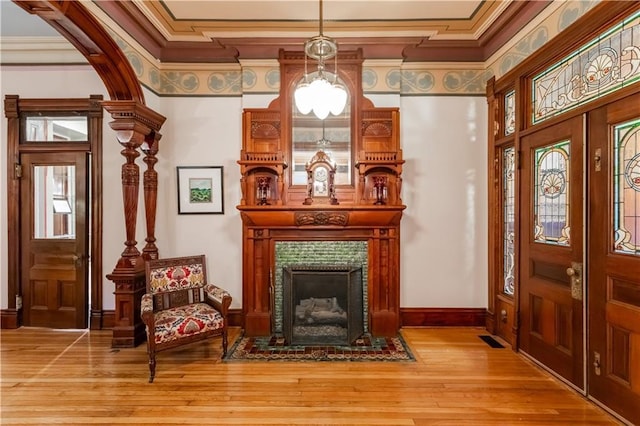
(551, 314)
(54, 212)
(614, 257)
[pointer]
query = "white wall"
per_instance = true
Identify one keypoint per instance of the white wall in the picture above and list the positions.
(444, 227)
(202, 132)
(444, 242)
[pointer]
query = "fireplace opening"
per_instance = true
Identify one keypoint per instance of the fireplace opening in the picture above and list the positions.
(322, 305)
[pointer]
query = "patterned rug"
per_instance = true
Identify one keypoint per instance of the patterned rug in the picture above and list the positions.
(275, 349)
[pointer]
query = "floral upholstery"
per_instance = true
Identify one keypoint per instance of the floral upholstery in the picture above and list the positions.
(216, 293)
(175, 323)
(180, 307)
(176, 278)
(147, 304)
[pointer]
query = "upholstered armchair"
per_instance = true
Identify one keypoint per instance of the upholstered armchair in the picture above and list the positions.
(180, 306)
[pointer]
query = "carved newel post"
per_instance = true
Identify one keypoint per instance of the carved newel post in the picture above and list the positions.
(136, 127)
(150, 149)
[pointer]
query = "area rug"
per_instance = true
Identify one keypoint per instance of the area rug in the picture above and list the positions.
(275, 349)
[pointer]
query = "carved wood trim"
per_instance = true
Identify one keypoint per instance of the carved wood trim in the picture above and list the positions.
(265, 130)
(377, 128)
(409, 48)
(321, 218)
(81, 28)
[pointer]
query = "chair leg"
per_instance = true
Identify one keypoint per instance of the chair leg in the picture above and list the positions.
(152, 366)
(224, 342)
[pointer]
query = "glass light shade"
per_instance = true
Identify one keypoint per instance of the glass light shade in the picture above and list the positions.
(303, 98)
(320, 89)
(321, 97)
(338, 98)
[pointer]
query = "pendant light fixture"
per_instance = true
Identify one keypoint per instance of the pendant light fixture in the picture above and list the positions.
(320, 91)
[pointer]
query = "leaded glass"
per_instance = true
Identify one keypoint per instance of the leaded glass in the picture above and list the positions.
(508, 219)
(551, 194)
(626, 188)
(509, 113)
(607, 63)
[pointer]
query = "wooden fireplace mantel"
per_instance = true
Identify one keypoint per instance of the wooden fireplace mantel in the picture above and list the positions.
(318, 215)
(263, 226)
(276, 207)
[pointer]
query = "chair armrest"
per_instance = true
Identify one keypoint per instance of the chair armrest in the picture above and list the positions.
(219, 298)
(146, 307)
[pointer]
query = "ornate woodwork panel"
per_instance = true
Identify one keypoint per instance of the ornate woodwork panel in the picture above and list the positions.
(274, 209)
(263, 229)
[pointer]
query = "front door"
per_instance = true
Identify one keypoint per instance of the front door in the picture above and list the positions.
(551, 249)
(614, 257)
(53, 215)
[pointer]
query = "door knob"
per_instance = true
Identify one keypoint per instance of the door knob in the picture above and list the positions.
(77, 260)
(575, 273)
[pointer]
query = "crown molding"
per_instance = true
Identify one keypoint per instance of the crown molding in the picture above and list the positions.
(39, 50)
(409, 47)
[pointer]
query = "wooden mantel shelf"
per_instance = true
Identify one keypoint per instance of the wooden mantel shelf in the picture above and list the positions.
(321, 215)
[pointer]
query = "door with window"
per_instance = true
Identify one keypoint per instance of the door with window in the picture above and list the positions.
(53, 216)
(551, 247)
(614, 257)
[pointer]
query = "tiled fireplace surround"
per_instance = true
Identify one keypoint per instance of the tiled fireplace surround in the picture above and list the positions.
(316, 254)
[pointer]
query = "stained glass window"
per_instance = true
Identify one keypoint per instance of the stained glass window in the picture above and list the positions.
(509, 113)
(508, 219)
(626, 188)
(551, 194)
(607, 63)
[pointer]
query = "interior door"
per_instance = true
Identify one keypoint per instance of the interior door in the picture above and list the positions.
(551, 248)
(614, 257)
(54, 211)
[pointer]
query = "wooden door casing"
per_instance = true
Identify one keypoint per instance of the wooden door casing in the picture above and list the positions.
(614, 277)
(54, 270)
(551, 319)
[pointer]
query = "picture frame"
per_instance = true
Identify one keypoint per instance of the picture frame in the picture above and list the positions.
(200, 190)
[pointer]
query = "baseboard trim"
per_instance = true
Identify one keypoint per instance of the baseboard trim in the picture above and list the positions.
(102, 320)
(108, 319)
(409, 317)
(443, 317)
(236, 319)
(8, 318)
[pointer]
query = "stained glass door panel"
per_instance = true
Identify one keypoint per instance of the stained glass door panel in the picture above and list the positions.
(551, 244)
(614, 257)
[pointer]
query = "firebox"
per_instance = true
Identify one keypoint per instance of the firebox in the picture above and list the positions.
(322, 305)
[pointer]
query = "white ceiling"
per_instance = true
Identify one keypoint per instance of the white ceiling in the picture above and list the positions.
(301, 10)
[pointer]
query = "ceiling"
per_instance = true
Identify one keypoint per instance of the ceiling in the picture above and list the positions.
(232, 30)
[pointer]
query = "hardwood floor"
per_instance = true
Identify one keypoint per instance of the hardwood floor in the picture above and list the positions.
(74, 377)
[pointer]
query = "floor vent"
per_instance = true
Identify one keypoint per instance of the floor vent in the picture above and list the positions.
(492, 342)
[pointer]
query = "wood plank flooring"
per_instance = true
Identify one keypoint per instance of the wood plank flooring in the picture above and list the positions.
(75, 377)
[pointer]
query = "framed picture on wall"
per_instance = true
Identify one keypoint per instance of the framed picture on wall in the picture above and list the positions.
(200, 190)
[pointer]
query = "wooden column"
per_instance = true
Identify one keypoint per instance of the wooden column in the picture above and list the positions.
(150, 149)
(135, 124)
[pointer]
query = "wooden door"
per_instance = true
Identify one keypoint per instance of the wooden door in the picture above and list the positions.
(53, 215)
(551, 309)
(614, 257)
